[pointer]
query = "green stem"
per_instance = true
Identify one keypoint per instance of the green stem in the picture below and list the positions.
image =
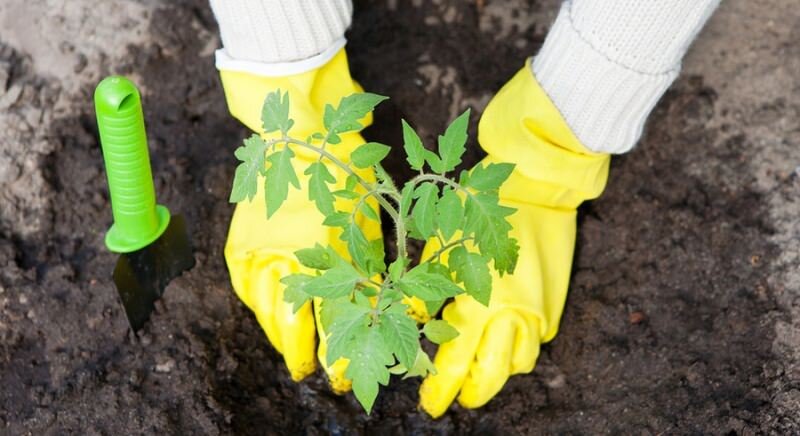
(439, 179)
(395, 195)
(446, 247)
(385, 204)
(376, 311)
(402, 243)
(360, 202)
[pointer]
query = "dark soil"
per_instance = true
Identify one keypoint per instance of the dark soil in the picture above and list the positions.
(669, 326)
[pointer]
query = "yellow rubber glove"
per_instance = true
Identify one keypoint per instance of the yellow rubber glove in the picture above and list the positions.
(554, 173)
(259, 252)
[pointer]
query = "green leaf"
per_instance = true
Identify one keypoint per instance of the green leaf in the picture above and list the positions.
(357, 245)
(390, 296)
(463, 178)
(439, 331)
(337, 219)
(349, 195)
(420, 282)
(451, 144)
(369, 357)
(486, 222)
(397, 268)
(336, 282)
(369, 212)
(363, 300)
(406, 199)
(295, 290)
(438, 268)
(245, 181)
(398, 369)
(449, 213)
(351, 337)
(334, 139)
(343, 322)
(277, 179)
(424, 212)
(434, 306)
(346, 117)
(472, 270)
(369, 154)
(319, 257)
(434, 162)
(413, 233)
(489, 177)
(369, 292)
(400, 333)
(384, 178)
(374, 258)
(318, 190)
(275, 113)
(415, 151)
(422, 366)
(350, 182)
(484, 205)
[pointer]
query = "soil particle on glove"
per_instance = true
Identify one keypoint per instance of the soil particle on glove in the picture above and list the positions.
(682, 315)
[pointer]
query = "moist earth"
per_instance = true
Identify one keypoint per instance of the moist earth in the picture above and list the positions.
(683, 313)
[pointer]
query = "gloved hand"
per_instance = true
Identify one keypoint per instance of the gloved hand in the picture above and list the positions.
(259, 252)
(554, 173)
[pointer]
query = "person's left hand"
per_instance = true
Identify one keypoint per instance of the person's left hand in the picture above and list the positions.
(554, 173)
(503, 339)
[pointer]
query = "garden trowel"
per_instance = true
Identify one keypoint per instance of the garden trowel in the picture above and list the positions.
(154, 247)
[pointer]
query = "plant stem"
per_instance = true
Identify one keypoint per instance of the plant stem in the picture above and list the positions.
(375, 310)
(400, 227)
(402, 243)
(395, 195)
(440, 179)
(360, 202)
(446, 247)
(385, 204)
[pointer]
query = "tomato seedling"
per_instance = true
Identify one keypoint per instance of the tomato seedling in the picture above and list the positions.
(364, 311)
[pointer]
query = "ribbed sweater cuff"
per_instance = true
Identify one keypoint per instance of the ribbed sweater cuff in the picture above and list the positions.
(604, 102)
(280, 37)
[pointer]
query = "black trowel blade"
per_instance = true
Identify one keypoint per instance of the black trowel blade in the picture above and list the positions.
(142, 275)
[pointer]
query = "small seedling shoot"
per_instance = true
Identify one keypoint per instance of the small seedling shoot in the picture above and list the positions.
(364, 295)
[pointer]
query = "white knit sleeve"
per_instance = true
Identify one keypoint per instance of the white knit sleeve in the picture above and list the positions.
(606, 63)
(280, 37)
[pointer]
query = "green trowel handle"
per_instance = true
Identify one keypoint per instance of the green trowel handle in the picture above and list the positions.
(138, 221)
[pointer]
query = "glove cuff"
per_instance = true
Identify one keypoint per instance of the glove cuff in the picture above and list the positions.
(226, 62)
(521, 125)
(309, 93)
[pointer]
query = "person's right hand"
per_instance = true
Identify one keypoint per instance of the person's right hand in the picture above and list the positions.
(260, 251)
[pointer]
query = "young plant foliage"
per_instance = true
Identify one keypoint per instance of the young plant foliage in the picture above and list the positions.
(363, 302)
